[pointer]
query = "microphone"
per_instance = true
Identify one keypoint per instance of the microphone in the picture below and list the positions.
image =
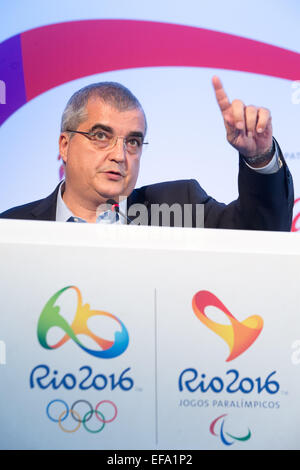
(115, 208)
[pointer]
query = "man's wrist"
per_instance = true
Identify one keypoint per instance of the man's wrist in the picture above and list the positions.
(260, 161)
(274, 164)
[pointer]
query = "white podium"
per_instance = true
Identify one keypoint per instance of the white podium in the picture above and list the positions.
(120, 337)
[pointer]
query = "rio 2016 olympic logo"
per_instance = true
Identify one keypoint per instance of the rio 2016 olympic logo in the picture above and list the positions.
(224, 435)
(76, 416)
(50, 317)
(239, 335)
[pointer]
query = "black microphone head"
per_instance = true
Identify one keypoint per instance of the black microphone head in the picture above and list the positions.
(111, 201)
(114, 204)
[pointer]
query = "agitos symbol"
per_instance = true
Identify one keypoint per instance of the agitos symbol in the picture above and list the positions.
(224, 438)
(239, 335)
(51, 317)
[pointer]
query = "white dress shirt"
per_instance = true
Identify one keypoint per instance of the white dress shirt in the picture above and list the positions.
(63, 213)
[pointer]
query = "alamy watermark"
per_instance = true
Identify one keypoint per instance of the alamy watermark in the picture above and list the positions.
(295, 357)
(2, 353)
(2, 92)
(163, 215)
(296, 93)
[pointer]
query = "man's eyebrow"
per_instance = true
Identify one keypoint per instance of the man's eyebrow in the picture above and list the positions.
(102, 126)
(136, 134)
(111, 131)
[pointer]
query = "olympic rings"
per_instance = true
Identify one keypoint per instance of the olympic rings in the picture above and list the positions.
(76, 416)
(53, 401)
(84, 421)
(81, 401)
(115, 408)
(68, 430)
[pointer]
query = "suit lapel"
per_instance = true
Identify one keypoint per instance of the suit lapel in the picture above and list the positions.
(46, 209)
(133, 214)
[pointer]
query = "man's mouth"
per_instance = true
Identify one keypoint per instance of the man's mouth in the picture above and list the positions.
(115, 175)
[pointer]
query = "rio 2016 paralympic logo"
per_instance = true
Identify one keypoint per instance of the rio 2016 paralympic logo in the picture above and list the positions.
(239, 335)
(76, 416)
(224, 435)
(50, 317)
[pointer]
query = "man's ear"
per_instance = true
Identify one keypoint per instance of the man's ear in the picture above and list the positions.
(63, 143)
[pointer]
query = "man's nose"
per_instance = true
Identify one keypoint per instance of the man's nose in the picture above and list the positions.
(118, 149)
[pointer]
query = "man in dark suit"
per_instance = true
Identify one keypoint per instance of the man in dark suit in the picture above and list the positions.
(102, 136)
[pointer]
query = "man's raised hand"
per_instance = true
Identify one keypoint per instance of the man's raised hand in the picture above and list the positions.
(249, 128)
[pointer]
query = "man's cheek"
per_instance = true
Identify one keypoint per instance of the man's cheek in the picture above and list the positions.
(135, 169)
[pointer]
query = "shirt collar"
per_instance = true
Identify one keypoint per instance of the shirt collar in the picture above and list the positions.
(63, 213)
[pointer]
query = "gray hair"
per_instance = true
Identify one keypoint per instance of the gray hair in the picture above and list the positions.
(113, 93)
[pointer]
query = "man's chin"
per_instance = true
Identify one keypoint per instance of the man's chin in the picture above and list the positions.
(116, 190)
(115, 195)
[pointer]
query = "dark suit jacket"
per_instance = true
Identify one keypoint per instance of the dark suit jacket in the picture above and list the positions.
(265, 202)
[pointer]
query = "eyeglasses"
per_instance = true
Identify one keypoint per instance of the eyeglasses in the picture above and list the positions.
(132, 144)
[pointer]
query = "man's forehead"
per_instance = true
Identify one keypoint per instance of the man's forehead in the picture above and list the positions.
(98, 111)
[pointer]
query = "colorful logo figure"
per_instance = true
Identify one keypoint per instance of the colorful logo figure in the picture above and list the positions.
(51, 317)
(295, 223)
(224, 435)
(239, 335)
(61, 170)
(19, 54)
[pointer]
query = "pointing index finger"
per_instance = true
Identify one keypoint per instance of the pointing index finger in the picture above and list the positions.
(220, 93)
